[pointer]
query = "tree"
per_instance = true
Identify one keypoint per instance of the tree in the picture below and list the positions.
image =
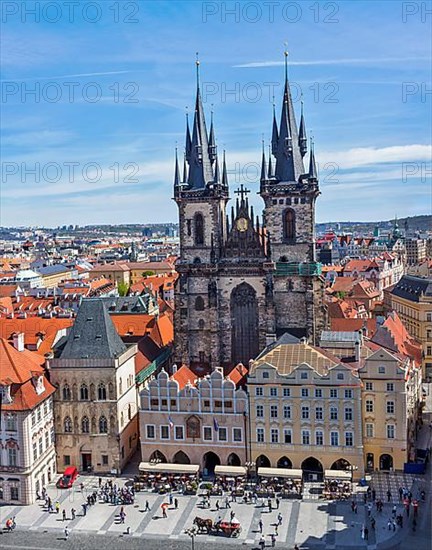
(122, 288)
(148, 273)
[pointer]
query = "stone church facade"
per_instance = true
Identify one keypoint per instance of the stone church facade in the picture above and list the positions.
(242, 281)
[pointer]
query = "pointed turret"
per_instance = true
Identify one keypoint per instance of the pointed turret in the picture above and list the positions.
(200, 168)
(275, 133)
(263, 164)
(177, 179)
(224, 173)
(289, 161)
(188, 139)
(270, 165)
(212, 142)
(216, 171)
(184, 169)
(313, 174)
(302, 134)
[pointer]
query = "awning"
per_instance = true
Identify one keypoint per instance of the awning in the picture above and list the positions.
(337, 474)
(280, 472)
(167, 468)
(226, 470)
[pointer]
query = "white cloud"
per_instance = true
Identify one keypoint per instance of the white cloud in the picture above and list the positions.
(352, 61)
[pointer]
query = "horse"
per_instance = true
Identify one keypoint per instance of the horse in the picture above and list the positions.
(204, 525)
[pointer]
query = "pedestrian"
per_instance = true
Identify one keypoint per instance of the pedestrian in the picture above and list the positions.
(296, 547)
(273, 540)
(232, 515)
(373, 522)
(269, 502)
(394, 525)
(279, 518)
(389, 524)
(394, 511)
(176, 503)
(84, 507)
(217, 505)
(100, 482)
(164, 514)
(262, 543)
(401, 491)
(276, 530)
(73, 513)
(260, 526)
(82, 487)
(64, 514)
(57, 507)
(415, 507)
(373, 495)
(366, 533)
(66, 532)
(389, 495)
(277, 503)
(147, 506)
(170, 499)
(355, 507)
(227, 504)
(369, 509)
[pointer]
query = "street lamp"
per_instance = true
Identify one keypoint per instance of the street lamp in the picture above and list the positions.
(192, 533)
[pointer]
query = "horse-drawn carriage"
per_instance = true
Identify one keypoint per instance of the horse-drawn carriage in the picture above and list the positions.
(225, 528)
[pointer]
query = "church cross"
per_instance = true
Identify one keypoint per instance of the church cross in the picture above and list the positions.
(242, 192)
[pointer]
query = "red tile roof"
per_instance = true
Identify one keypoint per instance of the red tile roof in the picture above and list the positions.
(18, 366)
(184, 376)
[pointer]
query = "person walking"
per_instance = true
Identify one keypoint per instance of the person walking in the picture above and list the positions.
(217, 505)
(147, 507)
(394, 511)
(366, 533)
(164, 514)
(66, 533)
(273, 540)
(389, 495)
(176, 503)
(227, 504)
(279, 518)
(262, 543)
(277, 503)
(57, 507)
(64, 514)
(260, 526)
(73, 511)
(373, 522)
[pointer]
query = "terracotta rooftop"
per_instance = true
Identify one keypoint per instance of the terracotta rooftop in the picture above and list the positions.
(184, 376)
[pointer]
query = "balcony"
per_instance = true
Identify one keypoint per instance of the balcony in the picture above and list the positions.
(303, 269)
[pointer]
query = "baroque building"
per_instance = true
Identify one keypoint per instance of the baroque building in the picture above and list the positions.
(242, 281)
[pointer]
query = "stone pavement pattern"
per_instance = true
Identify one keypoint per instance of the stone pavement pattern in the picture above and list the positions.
(308, 523)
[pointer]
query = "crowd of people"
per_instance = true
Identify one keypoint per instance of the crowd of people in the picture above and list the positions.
(166, 483)
(336, 489)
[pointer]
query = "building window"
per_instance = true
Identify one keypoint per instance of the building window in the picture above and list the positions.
(104, 460)
(164, 432)
(154, 403)
(303, 375)
(318, 413)
(369, 406)
(369, 386)
(199, 303)
(40, 445)
(11, 422)
(66, 393)
(206, 403)
(340, 376)
(222, 434)
(305, 413)
(348, 394)
(333, 393)
(305, 437)
(333, 413)
(237, 434)
(151, 432)
(318, 392)
(84, 393)
(348, 439)
(390, 431)
(179, 432)
(259, 392)
(12, 456)
(228, 404)
(85, 425)
(287, 411)
(319, 438)
(305, 392)
(348, 413)
(274, 435)
(14, 493)
(66, 460)
(287, 436)
(273, 411)
(103, 425)
(102, 394)
(33, 419)
(266, 374)
(334, 439)
(369, 430)
(390, 386)
(390, 407)
(381, 370)
(260, 411)
(273, 392)
(260, 435)
(208, 433)
(286, 392)
(289, 229)
(68, 425)
(199, 229)
(35, 454)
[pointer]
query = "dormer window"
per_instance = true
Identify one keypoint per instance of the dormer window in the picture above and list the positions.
(303, 375)
(38, 382)
(266, 374)
(5, 395)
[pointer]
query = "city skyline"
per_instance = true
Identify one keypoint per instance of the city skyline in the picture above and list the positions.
(365, 107)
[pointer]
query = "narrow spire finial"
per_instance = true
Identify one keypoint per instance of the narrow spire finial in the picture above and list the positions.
(197, 63)
(286, 60)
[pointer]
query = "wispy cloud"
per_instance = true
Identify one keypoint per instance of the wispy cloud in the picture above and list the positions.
(351, 61)
(55, 77)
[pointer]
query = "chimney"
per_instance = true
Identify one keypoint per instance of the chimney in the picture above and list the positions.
(357, 350)
(18, 341)
(174, 368)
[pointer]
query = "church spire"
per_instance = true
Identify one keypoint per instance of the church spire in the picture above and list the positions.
(275, 132)
(224, 172)
(302, 133)
(200, 169)
(177, 179)
(216, 171)
(313, 174)
(212, 142)
(289, 162)
(184, 168)
(263, 164)
(270, 164)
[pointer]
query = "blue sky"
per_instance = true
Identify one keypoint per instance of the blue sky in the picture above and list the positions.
(112, 86)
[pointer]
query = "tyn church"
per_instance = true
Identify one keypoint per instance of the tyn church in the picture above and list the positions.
(243, 281)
